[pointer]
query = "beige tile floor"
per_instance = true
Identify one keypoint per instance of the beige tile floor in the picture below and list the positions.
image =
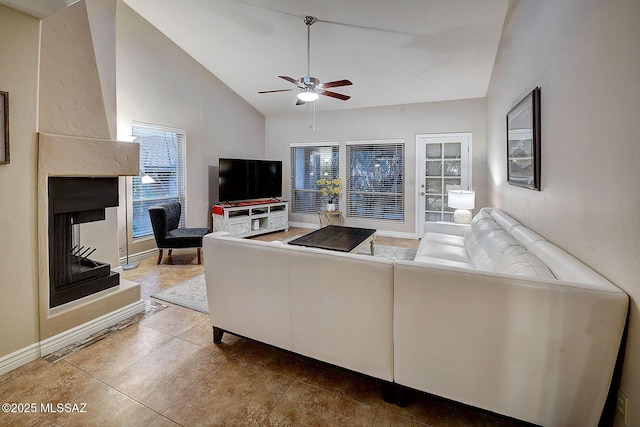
(166, 371)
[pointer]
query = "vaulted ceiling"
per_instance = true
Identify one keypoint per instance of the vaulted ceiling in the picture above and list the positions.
(394, 51)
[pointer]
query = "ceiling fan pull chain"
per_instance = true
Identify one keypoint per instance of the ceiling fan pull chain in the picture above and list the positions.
(312, 115)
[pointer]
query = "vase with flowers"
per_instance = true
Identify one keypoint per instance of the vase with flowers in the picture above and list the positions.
(331, 189)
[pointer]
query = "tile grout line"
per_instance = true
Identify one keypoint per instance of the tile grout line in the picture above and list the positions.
(293, 380)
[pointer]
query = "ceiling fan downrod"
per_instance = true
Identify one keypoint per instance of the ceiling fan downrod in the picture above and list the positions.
(309, 21)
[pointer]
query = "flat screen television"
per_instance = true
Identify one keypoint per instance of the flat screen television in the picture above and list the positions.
(246, 179)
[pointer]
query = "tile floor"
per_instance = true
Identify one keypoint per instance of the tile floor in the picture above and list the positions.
(165, 371)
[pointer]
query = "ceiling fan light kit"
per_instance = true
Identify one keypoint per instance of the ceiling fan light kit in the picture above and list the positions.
(308, 96)
(309, 88)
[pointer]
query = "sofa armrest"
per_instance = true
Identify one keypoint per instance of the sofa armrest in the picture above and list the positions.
(248, 288)
(445, 228)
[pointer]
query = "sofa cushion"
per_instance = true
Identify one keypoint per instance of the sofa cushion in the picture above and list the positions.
(504, 220)
(486, 241)
(482, 216)
(496, 243)
(445, 239)
(526, 237)
(482, 225)
(517, 260)
(431, 247)
(442, 261)
(476, 252)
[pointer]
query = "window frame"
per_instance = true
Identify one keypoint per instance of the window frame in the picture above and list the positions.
(140, 215)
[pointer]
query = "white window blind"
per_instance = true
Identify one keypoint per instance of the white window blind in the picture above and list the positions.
(309, 163)
(375, 180)
(163, 158)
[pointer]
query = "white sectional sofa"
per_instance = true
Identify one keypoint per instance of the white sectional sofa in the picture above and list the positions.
(495, 316)
(491, 315)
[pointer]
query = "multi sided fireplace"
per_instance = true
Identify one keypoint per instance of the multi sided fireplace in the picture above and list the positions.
(74, 201)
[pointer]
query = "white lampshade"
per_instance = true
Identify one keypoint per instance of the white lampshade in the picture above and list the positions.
(462, 199)
(308, 96)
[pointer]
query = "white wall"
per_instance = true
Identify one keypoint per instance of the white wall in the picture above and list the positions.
(159, 83)
(585, 56)
(19, 41)
(401, 121)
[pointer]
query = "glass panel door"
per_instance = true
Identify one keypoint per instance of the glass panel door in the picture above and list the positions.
(443, 165)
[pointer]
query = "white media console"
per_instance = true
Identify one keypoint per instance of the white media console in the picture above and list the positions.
(244, 219)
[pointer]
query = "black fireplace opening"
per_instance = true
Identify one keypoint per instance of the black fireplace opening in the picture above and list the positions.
(74, 201)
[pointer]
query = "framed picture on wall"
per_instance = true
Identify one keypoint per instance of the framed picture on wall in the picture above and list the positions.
(4, 120)
(523, 142)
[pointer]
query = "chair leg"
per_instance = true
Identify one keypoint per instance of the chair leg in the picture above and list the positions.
(159, 256)
(170, 250)
(199, 256)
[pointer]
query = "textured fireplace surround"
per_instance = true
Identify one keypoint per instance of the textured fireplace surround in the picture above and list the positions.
(65, 156)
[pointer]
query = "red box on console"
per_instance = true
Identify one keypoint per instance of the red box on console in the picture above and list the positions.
(218, 210)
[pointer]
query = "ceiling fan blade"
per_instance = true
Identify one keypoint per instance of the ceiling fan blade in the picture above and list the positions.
(277, 90)
(300, 102)
(336, 83)
(289, 79)
(334, 95)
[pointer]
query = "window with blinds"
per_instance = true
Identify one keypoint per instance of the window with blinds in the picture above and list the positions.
(163, 158)
(375, 180)
(309, 163)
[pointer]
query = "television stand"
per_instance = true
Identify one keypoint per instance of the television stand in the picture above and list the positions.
(251, 218)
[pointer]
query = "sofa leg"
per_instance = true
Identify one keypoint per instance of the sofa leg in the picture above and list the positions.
(199, 256)
(217, 335)
(394, 393)
(159, 256)
(402, 395)
(170, 250)
(388, 391)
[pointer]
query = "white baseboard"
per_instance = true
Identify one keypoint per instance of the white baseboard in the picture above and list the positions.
(139, 256)
(55, 343)
(303, 225)
(81, 332)
(19, 358)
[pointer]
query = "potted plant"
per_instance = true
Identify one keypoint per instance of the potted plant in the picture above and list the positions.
(330, 188)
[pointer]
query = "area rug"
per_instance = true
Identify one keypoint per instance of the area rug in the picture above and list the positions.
(192, 293)
(393, 252)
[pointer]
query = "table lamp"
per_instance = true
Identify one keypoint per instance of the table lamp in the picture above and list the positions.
(462, 201)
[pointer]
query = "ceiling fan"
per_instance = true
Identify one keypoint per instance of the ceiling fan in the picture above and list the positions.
(309, 88)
